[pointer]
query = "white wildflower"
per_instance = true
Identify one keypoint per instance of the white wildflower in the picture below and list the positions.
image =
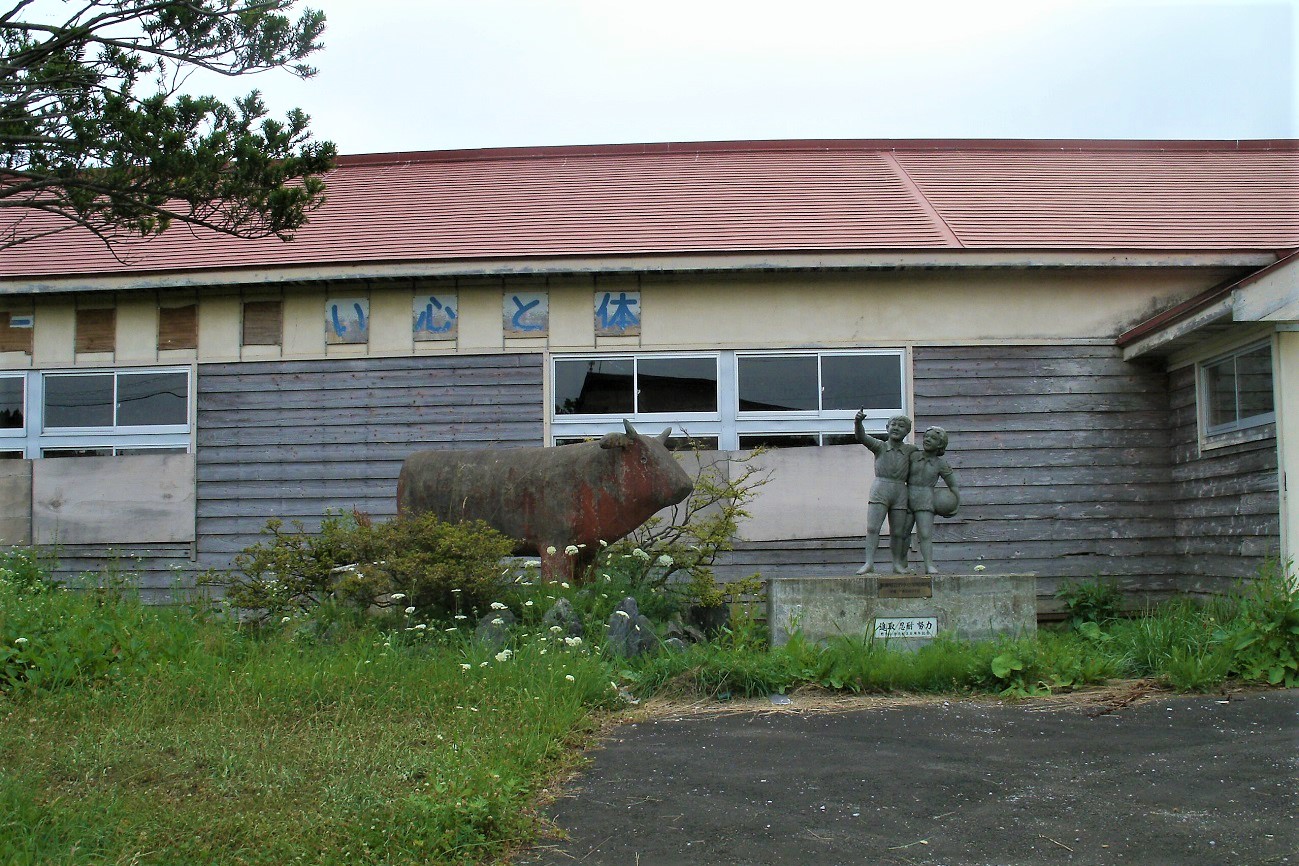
(465, 667)
(563, 586)
(398, 596)
(665, 560)
(420, 626)
(543, 652)
(640, 554)
(528, 603)
(483, 665)
(504, 655)
(603, 543)
(623, 614)
(285, 619)
(532, 563)
(410, 610)
(556, 628)
(460, 616)
(981, 568)
(573, 641)
(449, 630)
(570, 678)
(498, 621)
(20, 640)
(496, 605)
(550, 551)
(571, 550)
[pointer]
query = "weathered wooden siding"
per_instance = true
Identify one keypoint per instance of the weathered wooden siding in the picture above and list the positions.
(293, 439)
(1061, 452)
(1225, 501)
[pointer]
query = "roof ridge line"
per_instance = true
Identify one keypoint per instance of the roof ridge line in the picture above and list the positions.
(923, 200)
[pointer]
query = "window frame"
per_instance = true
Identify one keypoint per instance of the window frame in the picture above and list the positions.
(36, 438)
(18, 432)
(1216, 433)
(728, 423)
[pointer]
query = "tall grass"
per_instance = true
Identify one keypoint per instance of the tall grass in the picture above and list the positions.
(225, 747)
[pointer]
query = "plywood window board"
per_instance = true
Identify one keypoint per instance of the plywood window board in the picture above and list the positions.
(14, 339)
(96, 330)
(178, 327)
(263, 323)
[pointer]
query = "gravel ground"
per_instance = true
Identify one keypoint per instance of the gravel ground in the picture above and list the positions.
(1126, 778)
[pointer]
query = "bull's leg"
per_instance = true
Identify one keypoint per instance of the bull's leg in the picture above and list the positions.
(557, 566)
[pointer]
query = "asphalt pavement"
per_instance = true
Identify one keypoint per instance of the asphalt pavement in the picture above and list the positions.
(1166, 779)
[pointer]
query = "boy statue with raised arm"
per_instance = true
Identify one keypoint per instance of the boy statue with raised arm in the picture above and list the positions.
(888, 496)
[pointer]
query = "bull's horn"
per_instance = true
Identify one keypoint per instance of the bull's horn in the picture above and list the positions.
(631, 431)
(663, 437)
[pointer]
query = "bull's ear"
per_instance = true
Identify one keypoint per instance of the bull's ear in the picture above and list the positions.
(663, 437)
(615, 440)
(631, 431)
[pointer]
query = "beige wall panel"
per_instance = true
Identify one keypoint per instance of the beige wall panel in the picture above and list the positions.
(137, 330)
(572, 324)
(55, 330)
(218, 328)
(480, 317)
(896, 307)
(16, 502)
(304, 325)
(113, 500)
(391, 327)
(810, 493)
(1286, 388)
(347, 350)
(260, 353)
(15, 361)
(1272, 297)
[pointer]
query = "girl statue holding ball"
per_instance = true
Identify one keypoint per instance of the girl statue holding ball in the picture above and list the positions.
(927, 466)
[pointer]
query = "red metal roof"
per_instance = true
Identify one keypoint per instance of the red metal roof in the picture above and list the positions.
(761, 197)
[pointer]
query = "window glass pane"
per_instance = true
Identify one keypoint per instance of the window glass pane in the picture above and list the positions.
(11, 403)
(1254, 381)
(152, 398)
(778, 384)
(861, 381)
(11, 455)
(839, 439)
(778, 440)
(594, 387)
(129, 452)
(77, 452)
(692, 443)
(677, 384)
(79, 401)
(1220, 391)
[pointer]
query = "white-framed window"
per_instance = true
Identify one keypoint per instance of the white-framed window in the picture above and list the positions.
(95, 412)
(729, 399)
(1235, 390)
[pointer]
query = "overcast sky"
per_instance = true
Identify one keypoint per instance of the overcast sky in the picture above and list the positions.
(437, 74)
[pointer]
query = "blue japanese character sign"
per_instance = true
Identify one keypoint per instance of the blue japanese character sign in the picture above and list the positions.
(526, 314)
(435, 317)
(347, 320)
(617, 314)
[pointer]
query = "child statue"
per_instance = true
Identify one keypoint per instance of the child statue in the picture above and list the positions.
(926, 468)
(888, 496)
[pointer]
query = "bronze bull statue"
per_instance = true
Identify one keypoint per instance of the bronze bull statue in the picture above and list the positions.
(550, 499)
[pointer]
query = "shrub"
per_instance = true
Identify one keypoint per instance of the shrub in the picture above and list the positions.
(1093, 601)
(439, 568)
(1264, 637)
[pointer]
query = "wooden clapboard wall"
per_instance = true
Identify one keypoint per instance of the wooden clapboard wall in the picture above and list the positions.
(1062, 454)
(293, 439)
(1226, 501)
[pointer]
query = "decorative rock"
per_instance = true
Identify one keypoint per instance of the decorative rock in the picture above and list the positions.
(675, 644)
(494, 628)
(684, 632)
(630, 633)
(562, 614)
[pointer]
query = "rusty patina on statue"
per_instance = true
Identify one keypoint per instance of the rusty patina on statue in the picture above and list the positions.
(551, 500)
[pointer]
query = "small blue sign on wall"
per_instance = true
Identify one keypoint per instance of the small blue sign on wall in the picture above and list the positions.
(347, 320)
(617, 314)
(526, 314)
(435, 317)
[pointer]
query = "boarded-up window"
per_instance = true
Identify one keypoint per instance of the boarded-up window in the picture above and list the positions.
(15, 339)
(178, 327)
(96, 330)
(263, 323)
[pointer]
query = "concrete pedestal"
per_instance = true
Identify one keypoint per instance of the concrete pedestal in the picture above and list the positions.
(909, 609)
